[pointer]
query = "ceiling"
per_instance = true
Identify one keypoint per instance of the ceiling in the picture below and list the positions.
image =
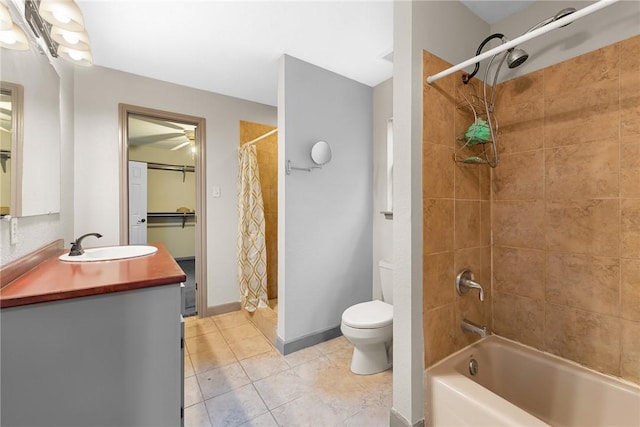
(233, 47)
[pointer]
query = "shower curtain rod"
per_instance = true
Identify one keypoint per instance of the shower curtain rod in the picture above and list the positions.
(253, 141)
(523, 38)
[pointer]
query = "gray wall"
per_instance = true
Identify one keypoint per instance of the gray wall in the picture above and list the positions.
(98, 91)
(325, 218)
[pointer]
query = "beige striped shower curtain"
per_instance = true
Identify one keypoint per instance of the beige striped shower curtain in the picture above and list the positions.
(252, 254)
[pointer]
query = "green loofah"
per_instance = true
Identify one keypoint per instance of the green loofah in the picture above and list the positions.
(478, 133)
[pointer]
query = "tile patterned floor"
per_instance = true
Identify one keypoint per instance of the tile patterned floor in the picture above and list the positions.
(234, 377)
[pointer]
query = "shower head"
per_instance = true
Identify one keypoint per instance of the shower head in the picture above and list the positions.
(564, 12)
(516, 57)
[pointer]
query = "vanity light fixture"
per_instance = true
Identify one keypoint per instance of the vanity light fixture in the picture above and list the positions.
(11, 35)
(5, 18)
(14, 38)
(61, 26)
(76, 40)
(62, 13)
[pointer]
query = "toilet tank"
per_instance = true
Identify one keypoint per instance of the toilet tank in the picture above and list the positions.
(386, 280)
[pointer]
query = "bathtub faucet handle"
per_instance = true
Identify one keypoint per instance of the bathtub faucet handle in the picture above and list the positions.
(465, 280)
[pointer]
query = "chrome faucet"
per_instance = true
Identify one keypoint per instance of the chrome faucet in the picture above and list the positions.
(465, 280)
(468, 325)
(76, 247)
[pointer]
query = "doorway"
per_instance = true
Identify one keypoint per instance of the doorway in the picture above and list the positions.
(162, 191)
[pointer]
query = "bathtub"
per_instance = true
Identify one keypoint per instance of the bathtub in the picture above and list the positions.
(516, 385)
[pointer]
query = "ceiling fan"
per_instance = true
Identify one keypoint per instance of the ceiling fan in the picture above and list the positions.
(145, 130)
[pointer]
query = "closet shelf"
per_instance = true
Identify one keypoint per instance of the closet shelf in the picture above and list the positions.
(180, 215)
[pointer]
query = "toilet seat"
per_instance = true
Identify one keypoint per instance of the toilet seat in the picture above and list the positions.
(368, 315)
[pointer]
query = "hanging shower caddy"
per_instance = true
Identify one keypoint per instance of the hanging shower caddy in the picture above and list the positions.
(478, 142)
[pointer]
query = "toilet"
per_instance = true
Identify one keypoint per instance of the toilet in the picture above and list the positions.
(369, 327)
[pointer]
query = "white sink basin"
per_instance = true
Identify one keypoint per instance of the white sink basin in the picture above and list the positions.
(108, 253)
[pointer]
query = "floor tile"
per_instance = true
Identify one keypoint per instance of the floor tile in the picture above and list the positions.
(188, 366)
(196, 416)
(221, 380)
(193, 328)
(216, 358)
(205, 342)
(265, 420)
(231, 320)
(281, 388)
(264, 365)
(192, 394)
(309, 411)
(239, 333)
(302, 356)
(235, 407)
(250, 347)
(234, 376)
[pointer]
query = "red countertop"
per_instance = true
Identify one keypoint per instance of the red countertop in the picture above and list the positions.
(55, 280)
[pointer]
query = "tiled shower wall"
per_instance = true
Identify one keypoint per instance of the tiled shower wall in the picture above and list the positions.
(565, 207)
(456, 228)
(566, 210)
(267, 149)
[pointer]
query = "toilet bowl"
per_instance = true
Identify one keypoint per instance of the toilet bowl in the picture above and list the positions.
(369, 327)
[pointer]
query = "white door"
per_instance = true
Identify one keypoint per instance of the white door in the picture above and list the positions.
(137, 203)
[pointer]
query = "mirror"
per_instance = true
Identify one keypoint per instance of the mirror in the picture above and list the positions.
(321, 153)
(10, 134)
(34, 183)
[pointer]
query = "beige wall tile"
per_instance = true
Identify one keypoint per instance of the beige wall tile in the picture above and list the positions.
(519, 318)
(437, 171)
(630, 357)
(582, 71)
(485, 183)
(521, 90)
(439, 333)
(467, 224)
(630, 55)
(439, 104)
(630, 290)
(519, 271)
(520, 176)
(579, 116)
(438, 274)
(588, 338)
(485, 223)
(438, 225)
(521, 126)
(630, 167)
(630, 104)
(583, 226)
(583, 281)
(630, 228)
(467, 181)
(582, 171)
(518, 223)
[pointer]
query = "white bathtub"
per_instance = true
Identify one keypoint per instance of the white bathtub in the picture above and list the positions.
(516, 385)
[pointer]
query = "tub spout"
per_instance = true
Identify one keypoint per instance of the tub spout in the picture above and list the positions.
(76, 247)
(468, 325)
(465, 281)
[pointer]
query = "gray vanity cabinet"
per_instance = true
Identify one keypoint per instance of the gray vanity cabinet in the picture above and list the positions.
(106, 360)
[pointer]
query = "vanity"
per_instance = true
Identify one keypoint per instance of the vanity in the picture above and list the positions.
(93, 343)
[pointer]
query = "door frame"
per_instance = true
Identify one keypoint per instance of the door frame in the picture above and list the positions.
(200, 170)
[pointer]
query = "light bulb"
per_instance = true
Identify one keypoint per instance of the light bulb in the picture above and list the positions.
(75, 55)
(71, 37)
(8, 37)
(61, 17)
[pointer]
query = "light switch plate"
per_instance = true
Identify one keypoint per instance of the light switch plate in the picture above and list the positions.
(215, 191)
